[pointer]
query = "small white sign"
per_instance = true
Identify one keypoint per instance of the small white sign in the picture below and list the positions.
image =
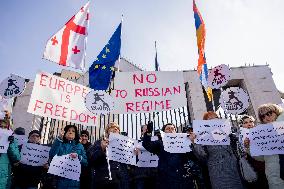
(12, 86)
(212, 132)
(34, 154)
(21, 139)
(4, 143)
(99, 102)
(121, 149)
(65, 166)
(234, 100)
(267, 139)
(176, 142)
(145, 158)
(219, 76)
(244, 133)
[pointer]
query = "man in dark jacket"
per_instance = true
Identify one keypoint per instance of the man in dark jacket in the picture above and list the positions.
(85, 178)
(27, 176)
(171, 165)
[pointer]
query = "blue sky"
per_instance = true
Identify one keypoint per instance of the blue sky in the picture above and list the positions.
(238, 32)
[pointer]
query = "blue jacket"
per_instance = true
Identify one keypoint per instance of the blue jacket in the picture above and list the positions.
(6, 160)
(62, 148)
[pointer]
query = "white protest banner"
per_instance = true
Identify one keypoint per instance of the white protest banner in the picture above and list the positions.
(136, 92)
(234, 100)
(219, 76)
(66, 167)
(212, 132)
(99, 102)
(61, 99)
(4, 143)
(12, 86)
(176, 142)
(121, 149)
(267, 139)
(145, 158)
(34, 154)
(21, 139)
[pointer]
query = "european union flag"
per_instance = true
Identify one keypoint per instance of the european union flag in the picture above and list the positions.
(102, 68)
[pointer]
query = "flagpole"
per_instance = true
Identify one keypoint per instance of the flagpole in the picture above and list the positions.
(120, 37)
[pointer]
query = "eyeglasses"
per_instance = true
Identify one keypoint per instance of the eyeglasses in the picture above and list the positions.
(266, 114)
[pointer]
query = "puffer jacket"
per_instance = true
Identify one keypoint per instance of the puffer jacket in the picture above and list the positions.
(170, 166)
(6, 160)
(62, 148)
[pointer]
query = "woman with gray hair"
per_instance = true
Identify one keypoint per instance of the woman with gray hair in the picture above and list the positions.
(268, 113)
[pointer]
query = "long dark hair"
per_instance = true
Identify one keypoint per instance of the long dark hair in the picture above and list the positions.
(77, 137)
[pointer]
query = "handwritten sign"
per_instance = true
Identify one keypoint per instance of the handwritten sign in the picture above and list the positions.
(34, 154)
(234, 100)
(99, 102)
(176, 142)
(212, 132)
(219, 76)
(267, 139)
(145, 158)
(12, 86)
(136, 92)
(65, 166)
(244, 133)
(121, 149)
(61, 99)
(4, 143)
(21, 139)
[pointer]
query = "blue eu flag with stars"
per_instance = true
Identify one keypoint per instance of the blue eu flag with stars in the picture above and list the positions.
(102, 68)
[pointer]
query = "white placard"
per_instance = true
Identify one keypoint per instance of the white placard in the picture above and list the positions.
(219, 76)
(61, 99)
(136, 92)
(244, 133)
(145, 158)
(66, 167)
(234, 100)
(99, 102)
(121, 149)
(212, 132)
(176, 142)
(267, 139)
(12, 86)
(21, 139)
(4, 143)
(34, 154)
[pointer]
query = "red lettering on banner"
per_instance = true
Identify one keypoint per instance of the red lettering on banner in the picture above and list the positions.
(167, 91)
(177, 90)
(148, 105)
(168, 106)
(48, 106)
(42, 79)
(128, 104)
(57, 110)
(61, 85)
(150, 78)
(55, 83)
(77, 88)
(84, 93)
(68, 84)
(64, 111)
(138, 92)
(93, 118)
(72, 113)
(67, 99)
(36, 105)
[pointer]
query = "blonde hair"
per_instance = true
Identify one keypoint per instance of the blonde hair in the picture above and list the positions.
(111, 125)
(208, 114)
(264, 108)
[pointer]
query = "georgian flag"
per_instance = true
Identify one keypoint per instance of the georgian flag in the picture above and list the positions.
(67, 46)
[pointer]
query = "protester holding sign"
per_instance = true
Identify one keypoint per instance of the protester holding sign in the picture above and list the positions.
(68, 144)
(247, 122)
(171, 165)
(268, 113)
(7, 159)
(221, 161)
(28, 176)
(108, 174)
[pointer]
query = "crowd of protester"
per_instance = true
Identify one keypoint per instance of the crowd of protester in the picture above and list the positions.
(205, 167)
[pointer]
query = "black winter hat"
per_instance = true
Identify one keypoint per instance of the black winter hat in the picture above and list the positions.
(19, 131)
(34, 131)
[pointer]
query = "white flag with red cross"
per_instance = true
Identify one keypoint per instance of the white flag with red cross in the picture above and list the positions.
(67, 46)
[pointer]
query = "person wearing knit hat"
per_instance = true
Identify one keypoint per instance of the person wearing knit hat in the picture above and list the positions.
(34, 137)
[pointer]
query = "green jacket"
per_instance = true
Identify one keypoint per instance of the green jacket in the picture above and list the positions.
(6, 161)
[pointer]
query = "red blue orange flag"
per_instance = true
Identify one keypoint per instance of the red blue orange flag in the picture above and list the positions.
(202, 69)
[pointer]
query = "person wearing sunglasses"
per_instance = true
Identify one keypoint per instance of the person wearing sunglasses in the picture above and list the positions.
(268, 113)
